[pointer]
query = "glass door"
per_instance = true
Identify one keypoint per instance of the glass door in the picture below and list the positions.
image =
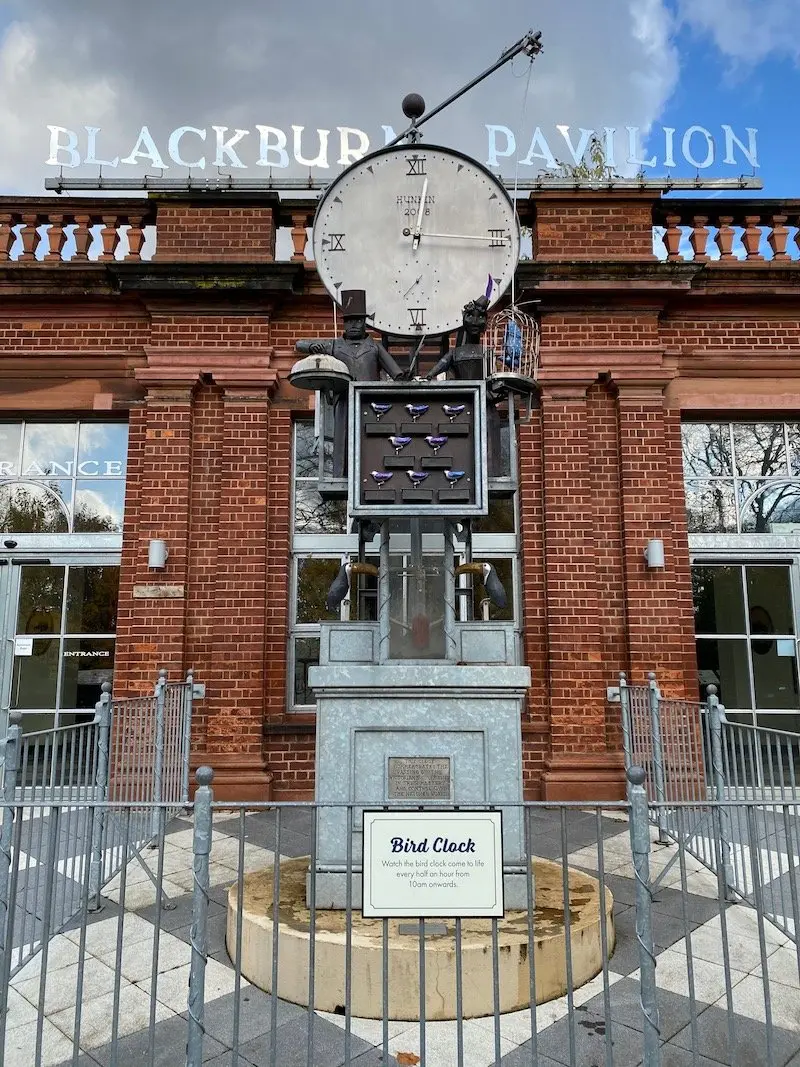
(58, 616)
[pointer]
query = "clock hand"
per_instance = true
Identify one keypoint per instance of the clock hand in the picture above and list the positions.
(506, 238)
(418, 280)
(418, 227)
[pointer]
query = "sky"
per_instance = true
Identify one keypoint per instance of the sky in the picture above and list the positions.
(118, 65)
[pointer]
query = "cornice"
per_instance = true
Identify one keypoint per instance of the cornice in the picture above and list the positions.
(233, 368)
(214, 280)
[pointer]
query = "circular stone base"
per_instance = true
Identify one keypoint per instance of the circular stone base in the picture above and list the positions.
(440, 953)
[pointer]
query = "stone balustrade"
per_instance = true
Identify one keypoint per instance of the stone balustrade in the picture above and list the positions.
(728, 230)
(74, 230)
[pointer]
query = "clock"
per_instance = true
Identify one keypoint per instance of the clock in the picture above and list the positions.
(423, 230)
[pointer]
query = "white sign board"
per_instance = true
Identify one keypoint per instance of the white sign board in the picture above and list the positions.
(428, 863)
(23, 646)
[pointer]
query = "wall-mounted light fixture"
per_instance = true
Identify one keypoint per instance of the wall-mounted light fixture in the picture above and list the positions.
(157, 553)
(654, 554)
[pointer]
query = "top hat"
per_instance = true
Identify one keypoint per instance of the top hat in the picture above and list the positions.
(354, 303)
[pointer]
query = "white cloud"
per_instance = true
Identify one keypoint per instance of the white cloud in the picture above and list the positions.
(747, 31)
(119, 65)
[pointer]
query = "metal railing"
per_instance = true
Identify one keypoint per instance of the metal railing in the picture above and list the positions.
(693, 752)
(678, 971)
(135, 751)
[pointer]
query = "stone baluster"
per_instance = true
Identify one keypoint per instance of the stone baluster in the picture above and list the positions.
(109, 236)
(299, 235)
(82, 236)
(56, 237)
(135, 237)
(30, 236)
(725, 236)
(672, 237)
(778, 236)
(751, 238)
(698, 238)
(7, 235)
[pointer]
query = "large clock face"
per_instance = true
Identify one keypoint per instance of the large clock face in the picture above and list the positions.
(423, 231)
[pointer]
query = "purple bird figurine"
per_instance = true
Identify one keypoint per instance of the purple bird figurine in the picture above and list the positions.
(417, 477)
(380, 409)
(415, 410)
(453, 476)
(381, 476)
(436, 442)
(398, 443)
(452, 411)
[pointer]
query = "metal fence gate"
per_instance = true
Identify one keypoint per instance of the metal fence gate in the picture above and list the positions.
(691, 753)
(135, 752)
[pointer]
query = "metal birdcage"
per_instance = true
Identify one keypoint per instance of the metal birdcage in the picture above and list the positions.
(512, 352)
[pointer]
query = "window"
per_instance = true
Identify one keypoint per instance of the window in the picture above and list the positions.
(320, 540)
(62, 477)
(746, 635)
(742, 477)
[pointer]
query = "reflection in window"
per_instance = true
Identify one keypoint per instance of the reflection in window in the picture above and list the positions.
(742, 477)
(99, 506)
(41, 592)
(744, 624)
(29, 508)
(88, 662)
(306, 654)
(35, 681)
(92, 595)
(62, 477)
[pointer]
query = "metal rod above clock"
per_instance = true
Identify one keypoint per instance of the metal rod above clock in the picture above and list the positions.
(530, 44)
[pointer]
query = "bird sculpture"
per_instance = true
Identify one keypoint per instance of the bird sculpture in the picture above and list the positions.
(417, 477)
(380, 410)
(452, 411)
(415, 410)
(453, 477)
(399, 442)
(340, 586)
(436, 441)
(491, 583)
(381, 477)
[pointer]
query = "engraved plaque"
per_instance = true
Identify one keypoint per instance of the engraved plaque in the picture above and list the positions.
(418, 778)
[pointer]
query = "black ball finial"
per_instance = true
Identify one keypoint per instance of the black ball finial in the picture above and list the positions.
(413, 106)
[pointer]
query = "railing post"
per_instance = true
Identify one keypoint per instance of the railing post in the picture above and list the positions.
(186, 739)
(103, 719)
(12, 749)
(201, 847)
(654, 697)
(640, 846)
(625, 712)
(716, 718)
(158, 767)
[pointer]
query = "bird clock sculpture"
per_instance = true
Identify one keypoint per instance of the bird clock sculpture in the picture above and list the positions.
(421, 240)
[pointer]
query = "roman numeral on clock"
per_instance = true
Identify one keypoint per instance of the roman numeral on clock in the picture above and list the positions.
(498, 238)
(336, 242)
(417, 317)
(416, 165)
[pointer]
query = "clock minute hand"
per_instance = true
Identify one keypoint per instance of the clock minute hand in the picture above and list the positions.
(420, 210)
(469, 237)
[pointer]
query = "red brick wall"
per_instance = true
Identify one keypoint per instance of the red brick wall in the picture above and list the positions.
(204, 233)
(588, 226)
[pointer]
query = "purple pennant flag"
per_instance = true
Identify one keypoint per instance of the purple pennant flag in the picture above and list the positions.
(489, 287)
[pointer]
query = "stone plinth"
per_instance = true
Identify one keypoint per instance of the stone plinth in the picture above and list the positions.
(366, 714)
